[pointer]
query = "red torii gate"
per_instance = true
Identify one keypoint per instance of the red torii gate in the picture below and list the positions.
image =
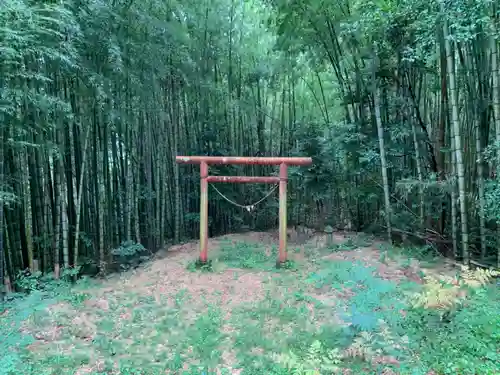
(204, 161)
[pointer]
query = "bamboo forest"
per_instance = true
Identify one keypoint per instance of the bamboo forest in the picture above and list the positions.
(391, 232)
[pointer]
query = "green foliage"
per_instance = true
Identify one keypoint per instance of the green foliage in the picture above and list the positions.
(247, 255)
(126, 85)
(445, 293)
(205, 336)
(129, 254)
(295, 317)
(204, 267)
(354, 242)
(29, 31)
(14, 338)
(7, 198)
(317, 360)
(29, 282)
(464, 342)
(367, 346)
(348, 245)
(422, 253)
(289, 265)
(128, 249)
(453, 323)
(374, 299)
(492, 199)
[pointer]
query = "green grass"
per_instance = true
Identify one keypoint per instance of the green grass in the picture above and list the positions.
(345, 305)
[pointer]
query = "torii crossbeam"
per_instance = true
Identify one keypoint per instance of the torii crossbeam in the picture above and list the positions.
(204, 161)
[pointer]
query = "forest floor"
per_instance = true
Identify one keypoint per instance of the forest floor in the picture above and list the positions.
(341, 308)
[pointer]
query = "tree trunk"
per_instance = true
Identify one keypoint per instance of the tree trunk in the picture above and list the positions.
(496, 112)
(457, 144)
(380, 132)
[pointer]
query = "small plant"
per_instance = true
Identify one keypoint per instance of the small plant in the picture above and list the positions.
(445, 293)
(348, 245)
(478, 277)
(70, 273)
(438, 295)
(383, 257)
(317, 360)
(379, 343)
(288, 265)
(467, 342)
(198, 265)
(129, 254)
(28, 282)
(128, 249)
(247, 255)
(422, 253)
(361, 347)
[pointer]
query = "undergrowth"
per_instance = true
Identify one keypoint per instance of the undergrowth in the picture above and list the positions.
(244, 255)
(247, 255)
(314, 361)
(342, 315)
(23, 307)
(454, 323)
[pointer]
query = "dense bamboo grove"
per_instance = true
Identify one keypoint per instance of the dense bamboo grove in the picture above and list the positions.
(398, 102)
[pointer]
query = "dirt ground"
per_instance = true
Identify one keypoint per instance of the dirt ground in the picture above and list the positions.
(152, 314)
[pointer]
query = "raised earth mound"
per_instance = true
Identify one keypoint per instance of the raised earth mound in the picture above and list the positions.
(346, 307)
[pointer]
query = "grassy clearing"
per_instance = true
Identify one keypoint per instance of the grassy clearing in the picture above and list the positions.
(341, 309)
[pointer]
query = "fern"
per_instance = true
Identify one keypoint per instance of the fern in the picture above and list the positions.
(368, 345)
(361, 347)
(292, 363)
(317, 360)
(438, 295)
(467, 343)
(445, 293)
(477, 278)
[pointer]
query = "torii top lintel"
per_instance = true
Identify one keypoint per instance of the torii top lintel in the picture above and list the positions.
(243, 160)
